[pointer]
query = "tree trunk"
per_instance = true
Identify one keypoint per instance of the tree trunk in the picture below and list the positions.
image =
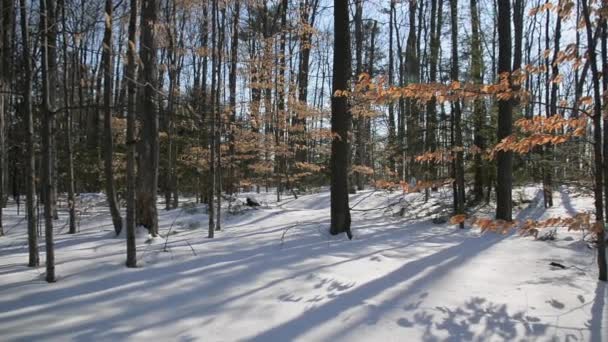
(30, 178)
(307, 16)
(478, 104)
(212, 172)
(108, 82)
(412, 75)
(604, 29)
(130, 139)
(67, 101)
(597, 144)
(47, 23)
(340, 122)
(218, 119)
(391, 108)
(359, 121)
(459, 160)
(234, 48)
(431, 106)
(504, 167)
(147, 214)
(6, 26)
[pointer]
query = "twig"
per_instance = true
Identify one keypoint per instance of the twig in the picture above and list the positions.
(170, 228)
(381, 208)
(192, 248)
(362, 199)
(285, 232)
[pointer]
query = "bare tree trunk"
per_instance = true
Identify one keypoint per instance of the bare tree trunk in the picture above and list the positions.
(358, 121)
(47, 23)
(108, 82)
(459, 160)
(6, 26)
(597, 144)
(212, 172)
(130, 139)
(604, 28)
(30, 178)
(401, 108)
(412, 75)
(234, 48)
(147, 214)
(551, 106)
(431, 106)
(504, 170)
(340, 122)
(480, 177)
(67, 97)
(218, 119)
(391, 107)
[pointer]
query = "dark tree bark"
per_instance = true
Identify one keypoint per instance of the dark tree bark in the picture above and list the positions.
(359, 121)
(340, 122)
(401, 108)
(457, 115)
(478, 105)
(234, 48)
(504, 167)
(30, 178)
(431, 106)
(281, 114)
(49, 42)
(518, 25)
(147, 214)
(391, 107)
(307, 16)
(6, 37)
(212, 172)
(172, 57)
(548, 155)
(175, 42)
(597, 143)
(604, 30)
(218, 116)
(130, 139)
(67, 102)
(412, 75)
(108, 82)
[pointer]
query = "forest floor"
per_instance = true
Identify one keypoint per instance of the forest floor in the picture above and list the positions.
(274, 273)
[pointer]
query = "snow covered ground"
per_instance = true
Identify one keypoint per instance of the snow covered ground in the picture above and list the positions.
(275, 274)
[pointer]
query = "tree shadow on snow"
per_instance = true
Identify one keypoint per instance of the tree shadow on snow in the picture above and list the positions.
(459, 324)
(202, 287)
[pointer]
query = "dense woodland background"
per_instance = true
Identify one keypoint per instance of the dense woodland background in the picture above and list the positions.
(207, 98)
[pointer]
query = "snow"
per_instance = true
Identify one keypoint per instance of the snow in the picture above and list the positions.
(275, 274)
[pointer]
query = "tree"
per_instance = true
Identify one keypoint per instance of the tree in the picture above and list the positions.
(49, 34)
(391, 70)
(234, 48)
(130, 139)
(597, 144)
(212, 179)
(30, 179)
(340, 122)
(107, 121)
(67, 103)
(147, 214)
(6, 27)
(459, 195)
(504, 159)
(431, 106)
(411, 74)
(308, 11)
(359, 120)
(478, 104)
